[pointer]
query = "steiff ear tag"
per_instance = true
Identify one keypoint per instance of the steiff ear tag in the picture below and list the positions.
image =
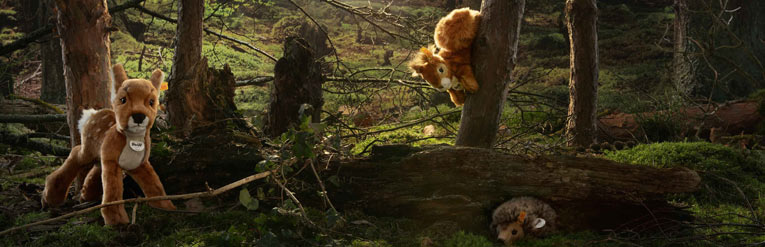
(539, 223)
(137, 146)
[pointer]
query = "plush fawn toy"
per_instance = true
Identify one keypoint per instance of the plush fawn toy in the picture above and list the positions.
(119, 137)
(447, 67)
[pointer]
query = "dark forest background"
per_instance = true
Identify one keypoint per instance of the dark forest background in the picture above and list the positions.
(319, 90)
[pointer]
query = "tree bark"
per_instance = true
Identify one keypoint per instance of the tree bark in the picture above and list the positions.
(581, 18)
(188, 53)
(681, 62)
(83, 26)
(449, 5)
(6, 81)
(53, 83)
(493, 61)
(297, 81)
(463, 184)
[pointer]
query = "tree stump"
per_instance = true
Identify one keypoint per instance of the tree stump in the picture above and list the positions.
(297, 81)
(463, 185)
(205, 100)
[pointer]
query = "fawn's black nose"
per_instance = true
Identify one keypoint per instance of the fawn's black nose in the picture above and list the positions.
(138, 118)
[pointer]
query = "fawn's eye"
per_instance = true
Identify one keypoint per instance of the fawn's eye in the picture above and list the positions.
(515, 232)
(123, 100)
(151, 102)
(441, 70)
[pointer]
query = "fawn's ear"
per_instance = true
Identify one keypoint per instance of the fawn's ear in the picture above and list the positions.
(119, 76)
(156, 78)
(522, 217)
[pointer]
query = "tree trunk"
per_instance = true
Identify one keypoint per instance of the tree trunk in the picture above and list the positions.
(494, 52)
(581, 18)
(462, 184)
(53, 83)
(188, 53)
(681, 62)
(83, 26)
(27, 15)
(449, 5)
(6, 80)
(199, 97)
(297, 81)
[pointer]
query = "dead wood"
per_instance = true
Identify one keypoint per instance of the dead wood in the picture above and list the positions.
(463, 185)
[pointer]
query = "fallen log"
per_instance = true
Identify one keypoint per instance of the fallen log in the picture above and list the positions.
(463, 185)
(32, 118)
(25, 142)
(732, 118)
(257, 81)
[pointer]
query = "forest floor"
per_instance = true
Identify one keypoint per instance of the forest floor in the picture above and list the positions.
(635, 48)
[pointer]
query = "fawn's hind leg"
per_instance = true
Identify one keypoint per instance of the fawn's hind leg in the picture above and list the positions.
(57, 183)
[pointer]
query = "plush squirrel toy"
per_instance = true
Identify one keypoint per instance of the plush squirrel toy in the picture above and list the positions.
(523, 216)
(447, 67)
(119, 137)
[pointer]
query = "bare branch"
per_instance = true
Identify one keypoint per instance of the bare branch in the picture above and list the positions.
(208, 31)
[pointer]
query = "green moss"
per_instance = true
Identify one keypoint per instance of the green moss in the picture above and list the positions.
(551, 41)
(702, 156)
(730, 224)
(724, 170)
(252, 101)
(462, 239)
(289, 25)
(76, 235)
(585, 238)
(30, 217)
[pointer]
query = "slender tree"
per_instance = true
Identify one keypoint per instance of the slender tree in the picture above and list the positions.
(84, 26)
(188, 53)
(53, 84)
(198, 96)
(581, 19)
(494, 52)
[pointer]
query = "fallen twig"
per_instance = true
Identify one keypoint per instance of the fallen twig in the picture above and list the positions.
(209, 193)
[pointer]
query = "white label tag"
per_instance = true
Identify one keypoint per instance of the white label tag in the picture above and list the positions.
(137, 146)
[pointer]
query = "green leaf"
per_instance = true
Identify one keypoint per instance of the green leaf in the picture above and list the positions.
(303, 148)
(333, 217)
(260, 194)
(247, 201)
(334, 180)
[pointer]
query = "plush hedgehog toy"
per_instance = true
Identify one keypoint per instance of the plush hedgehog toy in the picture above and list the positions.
(522, 216)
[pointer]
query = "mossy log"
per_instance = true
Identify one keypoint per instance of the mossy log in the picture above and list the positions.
(731, 118)
(463, 185)
(214, 159)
